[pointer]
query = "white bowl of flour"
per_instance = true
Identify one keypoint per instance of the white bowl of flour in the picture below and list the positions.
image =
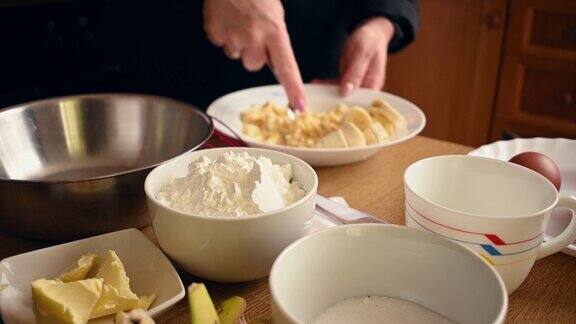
(376, 273)
(225, 214)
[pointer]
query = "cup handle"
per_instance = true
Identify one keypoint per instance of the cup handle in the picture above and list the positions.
(567, 236)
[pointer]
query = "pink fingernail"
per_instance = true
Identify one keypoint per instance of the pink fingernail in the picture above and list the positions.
(348, 88)
(300, 105)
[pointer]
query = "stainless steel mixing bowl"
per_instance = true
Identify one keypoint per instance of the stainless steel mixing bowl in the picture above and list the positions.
(75, 166)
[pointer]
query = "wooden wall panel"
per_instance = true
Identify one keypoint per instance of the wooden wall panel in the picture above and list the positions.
(451, 69)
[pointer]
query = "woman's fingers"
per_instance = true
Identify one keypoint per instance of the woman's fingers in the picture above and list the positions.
(363, 61)
(283, 63)
(214, 31)
(255, 31)
(374, 78)
(254, 58)
(216, 38)
(234, 46)
(326, 81)
(354, 66)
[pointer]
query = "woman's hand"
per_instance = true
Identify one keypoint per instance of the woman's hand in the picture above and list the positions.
(255, 31)
(363, 61)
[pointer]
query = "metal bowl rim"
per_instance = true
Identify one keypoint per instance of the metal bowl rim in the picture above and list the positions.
(108, 95)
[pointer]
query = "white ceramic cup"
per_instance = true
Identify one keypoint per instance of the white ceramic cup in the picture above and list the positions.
(384, 260)
(498, 209)
(229, 249)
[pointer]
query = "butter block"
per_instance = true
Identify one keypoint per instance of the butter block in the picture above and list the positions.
(116, 293)
(111, 301)
(65, 302)
(146, 301)
(84, 264)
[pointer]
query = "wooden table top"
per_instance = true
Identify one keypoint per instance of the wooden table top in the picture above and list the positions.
(547, 296)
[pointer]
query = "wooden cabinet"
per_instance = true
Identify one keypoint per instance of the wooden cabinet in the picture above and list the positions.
(480, 68)
(537, 89)
(451, 69)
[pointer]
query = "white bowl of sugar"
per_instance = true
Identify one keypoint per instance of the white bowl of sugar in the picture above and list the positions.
(374, 273)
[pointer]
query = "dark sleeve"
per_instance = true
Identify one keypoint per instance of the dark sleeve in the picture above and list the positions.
(402, 13)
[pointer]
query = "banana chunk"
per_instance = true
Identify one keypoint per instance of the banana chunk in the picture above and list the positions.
(232, 311)
(202, 310)
(376, 133)
(379, 131)
(369, 136)
(269, 123)
(358, 116)
(392, 115)
(385, 122)
(335, 139)
(353, 135)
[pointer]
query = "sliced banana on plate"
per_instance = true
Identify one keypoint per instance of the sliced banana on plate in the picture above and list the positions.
(334, 139)
(353, 135)
(391, 114)
(343, 126)
(379, 131)
(385, 122)
(358, 116)
(370, 136)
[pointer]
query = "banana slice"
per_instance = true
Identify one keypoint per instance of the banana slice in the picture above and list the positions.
(391, 114)
(353, 135)
(370, 136)
(379, 131)
(335, 139)
(232, 311)
(385, 122)
(342, 107)
(202, 309)
(358, 116)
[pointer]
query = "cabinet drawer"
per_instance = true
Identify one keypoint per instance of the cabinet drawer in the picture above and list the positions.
(549, 93)
(553, 29)
(504, 129)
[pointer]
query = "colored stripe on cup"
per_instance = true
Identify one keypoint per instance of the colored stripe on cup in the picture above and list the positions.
(491, 237)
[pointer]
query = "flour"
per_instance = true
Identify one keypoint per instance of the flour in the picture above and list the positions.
(232, 185)
(376, 309)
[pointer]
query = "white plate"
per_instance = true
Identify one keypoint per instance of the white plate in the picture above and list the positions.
(148, 268)
(562, 151)
(229, 108)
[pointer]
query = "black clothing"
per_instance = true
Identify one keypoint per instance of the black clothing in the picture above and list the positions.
(64, 47)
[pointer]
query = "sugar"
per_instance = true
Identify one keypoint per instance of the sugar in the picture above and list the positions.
(378, 309)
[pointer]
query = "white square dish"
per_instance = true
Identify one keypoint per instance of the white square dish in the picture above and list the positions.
(148, 268)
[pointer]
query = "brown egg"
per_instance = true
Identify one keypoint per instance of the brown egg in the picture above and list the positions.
(541, 164)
